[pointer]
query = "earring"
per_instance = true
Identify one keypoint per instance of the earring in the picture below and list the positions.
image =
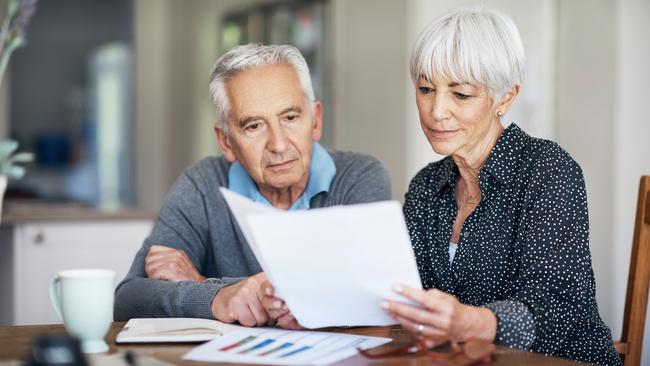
(499, 114)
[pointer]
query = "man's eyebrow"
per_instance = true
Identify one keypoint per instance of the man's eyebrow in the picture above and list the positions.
(290, 109)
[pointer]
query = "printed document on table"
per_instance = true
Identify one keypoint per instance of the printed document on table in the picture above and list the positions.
(282, 347)
(333, 266)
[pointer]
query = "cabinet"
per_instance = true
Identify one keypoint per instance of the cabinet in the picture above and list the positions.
(31, 253)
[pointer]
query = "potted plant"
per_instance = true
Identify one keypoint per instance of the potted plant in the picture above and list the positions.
(12, 36)
(8, 165)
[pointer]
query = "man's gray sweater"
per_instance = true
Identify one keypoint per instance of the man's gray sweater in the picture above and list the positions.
(196, 219)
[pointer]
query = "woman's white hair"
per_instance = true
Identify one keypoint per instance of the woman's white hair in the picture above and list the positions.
(470, 45)
(250, 56)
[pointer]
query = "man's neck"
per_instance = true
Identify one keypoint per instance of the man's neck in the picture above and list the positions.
(284, 198)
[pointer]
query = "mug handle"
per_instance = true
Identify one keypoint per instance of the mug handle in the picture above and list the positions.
(54, 295)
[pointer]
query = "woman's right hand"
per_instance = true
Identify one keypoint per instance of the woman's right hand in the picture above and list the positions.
(440, 315)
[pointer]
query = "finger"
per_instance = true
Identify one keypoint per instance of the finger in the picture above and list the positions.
(409, 311)
(411, 326)
(427, 299)
(287, 321)
(268, 289)
(161, 273)
(245, 317)
(273, 303)
(277, 314)
(160, 249)
(256, 307)
(158, 258)
(163, 265)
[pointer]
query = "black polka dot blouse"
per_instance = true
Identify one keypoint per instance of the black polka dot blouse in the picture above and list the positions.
(523, 253)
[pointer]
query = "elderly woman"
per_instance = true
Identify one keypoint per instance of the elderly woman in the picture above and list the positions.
(499, 226)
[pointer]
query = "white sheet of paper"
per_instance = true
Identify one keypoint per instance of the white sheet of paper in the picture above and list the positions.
(271, 346)
(333, 266)
(241, 207)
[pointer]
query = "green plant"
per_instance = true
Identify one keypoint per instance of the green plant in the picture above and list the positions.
(14, 28)
(8, 159)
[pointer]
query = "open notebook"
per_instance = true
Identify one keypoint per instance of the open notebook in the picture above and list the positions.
(163, 330)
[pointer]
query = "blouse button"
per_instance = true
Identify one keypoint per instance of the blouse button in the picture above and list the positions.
(455, 275)
(466, 234)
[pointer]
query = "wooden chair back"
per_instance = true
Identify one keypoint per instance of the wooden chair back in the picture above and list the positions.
(636, 300)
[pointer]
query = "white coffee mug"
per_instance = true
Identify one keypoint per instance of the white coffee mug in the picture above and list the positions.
(85, 305)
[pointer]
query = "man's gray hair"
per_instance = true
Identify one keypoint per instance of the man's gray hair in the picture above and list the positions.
(471, 45)
(250, 56)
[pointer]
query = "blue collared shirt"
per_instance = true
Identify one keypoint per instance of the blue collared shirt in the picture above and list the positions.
(321, 174)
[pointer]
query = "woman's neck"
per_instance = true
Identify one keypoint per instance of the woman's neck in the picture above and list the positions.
(472, 160)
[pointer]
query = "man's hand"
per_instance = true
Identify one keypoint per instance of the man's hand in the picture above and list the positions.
(242, 303)
(277, 309)
(169, 264)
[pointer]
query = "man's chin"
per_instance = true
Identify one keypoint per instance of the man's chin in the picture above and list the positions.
(282, 180)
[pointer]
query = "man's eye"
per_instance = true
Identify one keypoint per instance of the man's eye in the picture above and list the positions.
(253, 126)
(425, 89)
(291, 117)
(461, 96)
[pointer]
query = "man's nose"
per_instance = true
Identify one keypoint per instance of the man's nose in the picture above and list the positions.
(277, 140)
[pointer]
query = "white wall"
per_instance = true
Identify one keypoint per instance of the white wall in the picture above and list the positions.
(586, 91)
(369, 69)
(631, 147)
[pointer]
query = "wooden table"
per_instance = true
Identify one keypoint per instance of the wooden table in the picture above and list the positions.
(15, 344)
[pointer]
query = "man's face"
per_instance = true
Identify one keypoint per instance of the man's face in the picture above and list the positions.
(271, 127)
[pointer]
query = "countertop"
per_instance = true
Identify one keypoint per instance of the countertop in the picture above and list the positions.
(14, 212)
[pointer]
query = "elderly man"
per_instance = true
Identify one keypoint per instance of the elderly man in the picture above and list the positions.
(196, 262)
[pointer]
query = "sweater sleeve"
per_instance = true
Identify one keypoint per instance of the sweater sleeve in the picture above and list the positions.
(365, 180)
(182, 224)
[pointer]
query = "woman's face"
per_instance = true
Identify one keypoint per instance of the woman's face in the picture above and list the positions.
(454, 117)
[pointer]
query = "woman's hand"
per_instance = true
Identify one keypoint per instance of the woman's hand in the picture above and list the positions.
(441, 316)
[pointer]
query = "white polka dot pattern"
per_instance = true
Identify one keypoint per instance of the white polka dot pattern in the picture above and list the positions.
(524, 251)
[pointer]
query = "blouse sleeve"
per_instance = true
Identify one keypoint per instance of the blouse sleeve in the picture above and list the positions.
(555, 288)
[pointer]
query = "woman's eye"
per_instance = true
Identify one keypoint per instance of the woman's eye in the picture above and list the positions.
(425, 89)
(461, 96)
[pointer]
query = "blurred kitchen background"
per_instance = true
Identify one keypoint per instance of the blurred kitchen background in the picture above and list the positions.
(112, 97)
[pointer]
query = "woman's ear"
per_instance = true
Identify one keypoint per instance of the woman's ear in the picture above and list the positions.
(506, 101)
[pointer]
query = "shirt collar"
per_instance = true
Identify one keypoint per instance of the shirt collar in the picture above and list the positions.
(501, 164)
(505, 157)
(321, 174)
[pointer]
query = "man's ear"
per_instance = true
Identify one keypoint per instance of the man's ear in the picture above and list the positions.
(224, 143)
(317, 129)
(507, 99)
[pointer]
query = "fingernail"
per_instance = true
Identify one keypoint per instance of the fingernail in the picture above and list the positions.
(398, 288)
(385, 305)
(277, 304)
(268, 291)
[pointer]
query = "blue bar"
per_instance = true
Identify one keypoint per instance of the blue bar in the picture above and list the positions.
(258, 346)
(303, 348)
